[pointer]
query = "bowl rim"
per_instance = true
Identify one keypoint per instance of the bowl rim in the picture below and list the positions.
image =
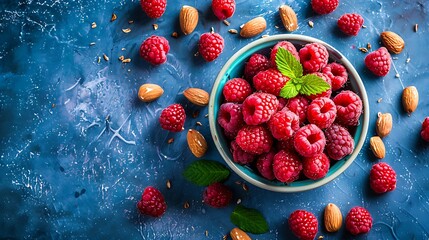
(286, 188)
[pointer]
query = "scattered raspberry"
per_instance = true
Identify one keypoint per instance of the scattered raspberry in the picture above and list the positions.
(326, 93)
(173, 118)
(283, 124)
(155, 49)
(223, 9)
(299, 105)
(286, 45)
(270, 81)
(254, 139)
(236, 90)
(259, 107)
(316, 167)
(286, 166)
(337, 73)
(264, 164)
(378, 62)
(314, 57)
(257, 62)
(349, 108)
(339, 142)
(217, 195)
(230, 117)
(239, 155)
(358, 221)
(324, 6)
(382, 178)
(210, 46)
(322, 112)
(152, 202)
(303, 224)
(425, 130)
(153, 8)
(309, 140)
(350, 23)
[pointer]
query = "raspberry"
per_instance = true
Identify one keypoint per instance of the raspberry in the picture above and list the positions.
(382, 178)
(236, 90)
(425, 130)
(283, 124)
(326, 93)
(257, 62)
(153, 8)
(282, 103)
(316, 167)
(217, 195)
(285, 145)
(239, 155)
(254, 139)
(378, 62)
(259, 107)
(337, 73)
(303, 224)
(173, 118)
(339, 142)
(313, 57)
(270, 81)
(349, 108)
(264, 164)
(210, 46)
(287, 46)
(322, 112)
(286, 166)
(324, 6)
(298, 105)
(350, 23)
(358, 221)
(230, 117)
(155, 49)
(309, 140)
(152, 202)
(223, 9)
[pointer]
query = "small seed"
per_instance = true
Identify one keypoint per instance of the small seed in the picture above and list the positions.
(199, 123)
(364, 50)
(226, 22)
(195, 113)
(239, 201)
(53, 105)
(368, 46)
(175, 35)
(206, 233)
(126, 30)
(320, 238)
(196, 54)
(123, 49)
(397, 75)
(92, 44)
(238, 182)
(113, 18)
(170, 141)
(232, 31)
(206, 116)
(105, 57)
(379, 100)
(225, 237)
(155, 26)
(241, 26)
(168, 184)
(121, 58)
(311, 24)
(99, 60)
(131, 21)
(126, 60)
(186, 205)
(408, 60)
(265, 35)
(245, 187)
(277, 27)
(93, 25)
(363, 26)
(416, 27)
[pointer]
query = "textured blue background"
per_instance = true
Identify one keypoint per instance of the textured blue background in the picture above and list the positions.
(67, 173)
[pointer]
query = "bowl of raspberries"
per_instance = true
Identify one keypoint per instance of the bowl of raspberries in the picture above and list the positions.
(288, 113)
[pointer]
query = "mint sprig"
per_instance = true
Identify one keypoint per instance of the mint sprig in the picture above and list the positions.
(206, 172)
(249, 220)
(287, 64)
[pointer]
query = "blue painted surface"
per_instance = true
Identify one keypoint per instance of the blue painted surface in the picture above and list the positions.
(66, 173)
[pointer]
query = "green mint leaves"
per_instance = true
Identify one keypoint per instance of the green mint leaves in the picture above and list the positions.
(206, 172)
(289, 66)
(249, 220)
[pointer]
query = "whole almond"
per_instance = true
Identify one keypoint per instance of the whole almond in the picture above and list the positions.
(392, 41)
(383, 124)
(377, 147)
(197, 96)
(253, 27)
(196, 142)
(333, 218)
(288, 17)
(188, 19)
(149, 92)
(238, 234)
(410, 99)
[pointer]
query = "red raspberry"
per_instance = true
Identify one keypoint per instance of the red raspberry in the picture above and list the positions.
(264, 164)
(282, 103)
(230, 117)
(315, 167)
(239, 155)
(303, 224)
(270, 81)
(382, 178)
(349, 108)
(236, 90)
(378, 62)
(283, 124)
(210, 46)
(425, 130)
(298, 105)
(326, 93)
(223, 9)
(350, 23)
(153, 8)
(217, 195)
(155, 49)
(309, 140)
(322, 112)
(173, 118)
(286, 166)
(254, 139)
(337, 73)
(259, 107)
(285, 145)
(324, 6)
(339, 142)
(358, 221)
(152, 202)
(314, 57)
(257, 62)
(286, 45)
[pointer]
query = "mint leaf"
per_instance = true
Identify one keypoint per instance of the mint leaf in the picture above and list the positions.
(206, 172)
(249, 220)
(289, 90)
(312, 84)
(287, 64)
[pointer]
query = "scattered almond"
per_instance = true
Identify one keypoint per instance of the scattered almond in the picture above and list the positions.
(288, 17)
(377, 147)
(384, 124)
(197, 96)
(197, 143)
(333, 218)
(149, 92)
(253, 27)
(238, 234)
(188, 19)
(410, 99)
(392, 41)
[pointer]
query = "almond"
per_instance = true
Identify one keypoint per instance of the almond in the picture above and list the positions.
(392, 41)
(288, 17)
(149, 92)
(377, 147)
(238, 234)
(253, 27)
(197, 143)
(333, 218)
(197, 96)
(188, 19)
(384, 124)
(410, 99)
